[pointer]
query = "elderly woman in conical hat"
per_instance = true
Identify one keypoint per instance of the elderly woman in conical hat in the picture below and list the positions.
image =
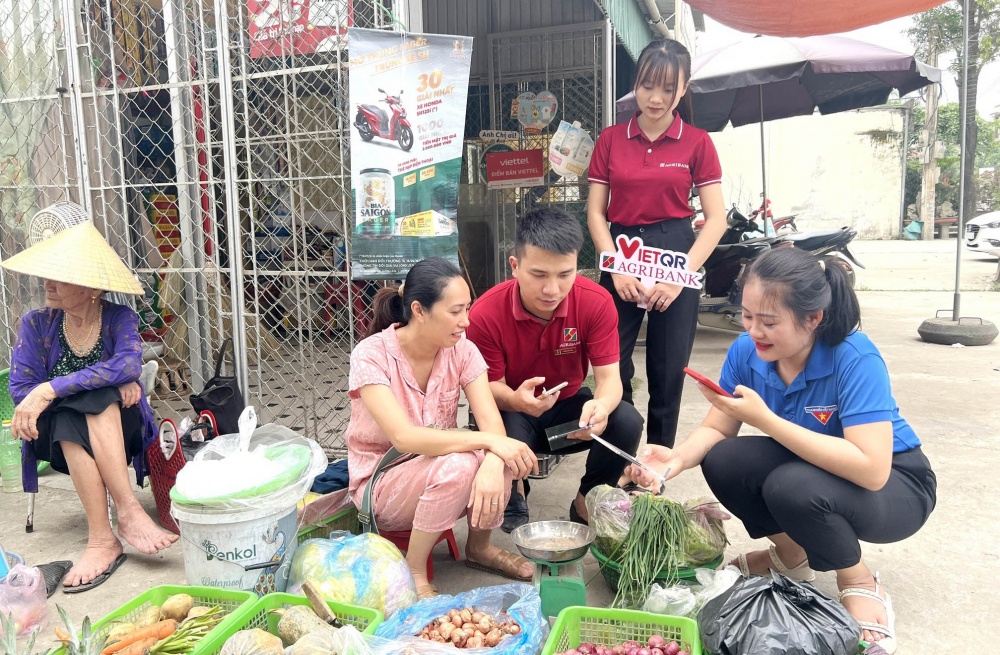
(74, 376)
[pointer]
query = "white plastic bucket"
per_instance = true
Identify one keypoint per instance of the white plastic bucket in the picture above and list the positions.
(221, 544)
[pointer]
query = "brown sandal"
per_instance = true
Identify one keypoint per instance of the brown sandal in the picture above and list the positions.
(505, 563)
(427, 591)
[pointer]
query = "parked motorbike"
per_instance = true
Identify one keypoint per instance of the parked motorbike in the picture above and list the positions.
(372, 121)
(725, 269)
(831, 244)
(724, 272)
(822, 243)
(782, 225)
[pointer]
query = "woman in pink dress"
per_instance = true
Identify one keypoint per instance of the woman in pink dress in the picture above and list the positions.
(405, 382)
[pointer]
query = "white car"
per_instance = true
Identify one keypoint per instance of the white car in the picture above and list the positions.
(982, 234)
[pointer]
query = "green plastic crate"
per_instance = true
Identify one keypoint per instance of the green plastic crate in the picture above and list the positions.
(611, 570)
(345, 519)
(259, 616)
(235, 603)
(610, 627)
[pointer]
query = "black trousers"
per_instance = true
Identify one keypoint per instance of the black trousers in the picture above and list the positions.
(66, 420)
(603, 467)
(772, 491)
(669, 334)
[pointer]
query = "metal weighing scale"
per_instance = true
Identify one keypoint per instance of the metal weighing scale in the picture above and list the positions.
(556, 548)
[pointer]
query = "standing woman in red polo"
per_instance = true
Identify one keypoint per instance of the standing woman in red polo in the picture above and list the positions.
(641, 176)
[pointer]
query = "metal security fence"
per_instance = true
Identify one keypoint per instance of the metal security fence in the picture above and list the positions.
(571, 63)
(214, 157)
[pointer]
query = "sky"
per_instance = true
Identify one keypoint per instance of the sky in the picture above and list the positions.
(891, 34)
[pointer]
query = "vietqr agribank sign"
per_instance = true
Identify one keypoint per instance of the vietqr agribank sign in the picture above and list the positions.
(508, 170)
(649, 264)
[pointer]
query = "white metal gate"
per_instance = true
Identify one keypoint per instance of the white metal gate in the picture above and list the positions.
(222, 178)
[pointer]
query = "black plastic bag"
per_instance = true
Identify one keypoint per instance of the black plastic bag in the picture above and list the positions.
(776, 616)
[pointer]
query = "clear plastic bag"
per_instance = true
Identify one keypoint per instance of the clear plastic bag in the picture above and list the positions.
(610, 510)
(680, 600)
(520, 601)
(22, 597)
(275, 472)
(706, 535)
(365, 570)
(675, 600)
(776, 616)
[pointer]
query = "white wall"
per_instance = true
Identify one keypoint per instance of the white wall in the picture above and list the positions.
(836, 170)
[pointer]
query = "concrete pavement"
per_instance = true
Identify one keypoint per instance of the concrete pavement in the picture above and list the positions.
(944, 580)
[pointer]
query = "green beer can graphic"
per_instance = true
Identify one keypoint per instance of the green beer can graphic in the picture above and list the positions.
(376, 204)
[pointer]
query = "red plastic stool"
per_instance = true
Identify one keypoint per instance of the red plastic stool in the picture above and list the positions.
(401, 540)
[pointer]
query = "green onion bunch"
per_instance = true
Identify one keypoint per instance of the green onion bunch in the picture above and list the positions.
(654, 547)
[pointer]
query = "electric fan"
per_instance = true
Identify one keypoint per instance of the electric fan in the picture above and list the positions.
(55, 218)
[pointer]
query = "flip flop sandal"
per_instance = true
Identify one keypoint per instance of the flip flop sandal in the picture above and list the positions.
(801, 573)
(504, 564)
(53, 573)
(99, 580)
(888, 641)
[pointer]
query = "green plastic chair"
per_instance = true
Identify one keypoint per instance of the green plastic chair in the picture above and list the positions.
(7, 406)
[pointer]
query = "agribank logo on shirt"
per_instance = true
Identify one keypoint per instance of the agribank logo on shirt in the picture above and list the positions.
(823, 413)
(570, 341)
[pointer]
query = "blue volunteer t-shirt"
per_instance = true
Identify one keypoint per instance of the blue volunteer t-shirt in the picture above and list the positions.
(841, 386)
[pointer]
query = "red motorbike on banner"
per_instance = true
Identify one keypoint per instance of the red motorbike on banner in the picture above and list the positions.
(373, 121)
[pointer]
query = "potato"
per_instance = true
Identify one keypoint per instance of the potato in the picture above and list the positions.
(119, 630)
(149, 616)
(177, 607)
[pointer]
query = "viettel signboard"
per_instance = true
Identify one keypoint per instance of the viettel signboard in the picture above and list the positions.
(508, 170)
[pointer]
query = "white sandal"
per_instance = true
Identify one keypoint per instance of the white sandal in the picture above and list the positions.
(801, 573)
(888, 641)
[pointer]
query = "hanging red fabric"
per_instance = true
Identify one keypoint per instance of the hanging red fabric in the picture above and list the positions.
(807, 17)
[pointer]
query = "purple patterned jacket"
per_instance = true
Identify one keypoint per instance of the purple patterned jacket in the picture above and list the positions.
(38, 350)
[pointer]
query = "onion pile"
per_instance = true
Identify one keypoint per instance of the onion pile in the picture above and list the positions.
(470, 628)
(655, 645)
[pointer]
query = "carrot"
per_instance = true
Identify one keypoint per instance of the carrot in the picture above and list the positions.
(157, 631)
(63, 636)
(138, 647)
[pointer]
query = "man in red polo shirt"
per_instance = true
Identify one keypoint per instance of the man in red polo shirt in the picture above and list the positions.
(545, 327)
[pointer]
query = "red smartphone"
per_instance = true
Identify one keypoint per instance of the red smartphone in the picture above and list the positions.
(707, 382)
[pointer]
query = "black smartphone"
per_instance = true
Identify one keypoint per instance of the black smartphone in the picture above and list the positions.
(558, 435)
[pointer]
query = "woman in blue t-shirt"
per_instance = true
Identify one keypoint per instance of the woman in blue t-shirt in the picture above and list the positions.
(838, 464)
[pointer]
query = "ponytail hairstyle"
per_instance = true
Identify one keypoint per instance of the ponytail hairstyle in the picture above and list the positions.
(661, 63)
(424, 284)
(805, 285)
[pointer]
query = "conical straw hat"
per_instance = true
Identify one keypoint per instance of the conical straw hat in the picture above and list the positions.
(77, 255)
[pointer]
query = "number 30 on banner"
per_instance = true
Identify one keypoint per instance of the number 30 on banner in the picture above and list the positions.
(429, 81)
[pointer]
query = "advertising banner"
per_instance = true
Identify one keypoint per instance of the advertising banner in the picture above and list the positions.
(408, 95)
(278, 28)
